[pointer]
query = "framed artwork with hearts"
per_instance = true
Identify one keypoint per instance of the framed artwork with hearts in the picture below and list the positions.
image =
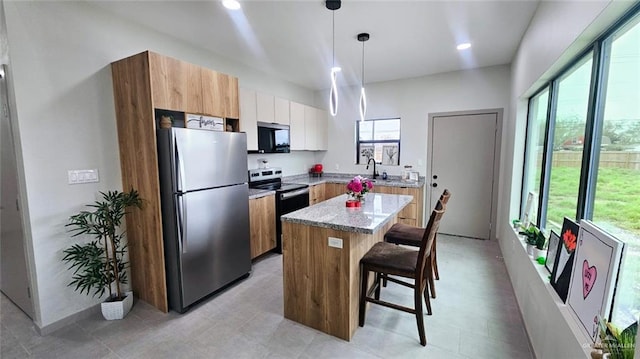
(594, 276)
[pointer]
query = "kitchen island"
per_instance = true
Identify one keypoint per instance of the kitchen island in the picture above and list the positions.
(322, 248)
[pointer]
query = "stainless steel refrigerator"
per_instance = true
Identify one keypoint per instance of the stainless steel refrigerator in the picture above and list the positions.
(205, 211)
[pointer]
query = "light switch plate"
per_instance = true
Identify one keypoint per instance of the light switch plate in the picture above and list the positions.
(335, 242)
(83, 176)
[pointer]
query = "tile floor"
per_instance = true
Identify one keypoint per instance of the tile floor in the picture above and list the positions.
(474, 316)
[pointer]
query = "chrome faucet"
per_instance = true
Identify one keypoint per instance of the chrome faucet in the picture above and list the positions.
(375, 173)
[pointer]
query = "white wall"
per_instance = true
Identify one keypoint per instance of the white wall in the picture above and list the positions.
(558, 31)
(412, 100)
(60, 54)
(294, 163)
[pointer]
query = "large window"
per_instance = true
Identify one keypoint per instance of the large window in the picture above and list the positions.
(568, 141)
(583, 153)
(535, 146)
(378, 139)
(616, 205)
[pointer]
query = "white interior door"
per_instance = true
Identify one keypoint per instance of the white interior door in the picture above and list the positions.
(14, 279)
(462, 160)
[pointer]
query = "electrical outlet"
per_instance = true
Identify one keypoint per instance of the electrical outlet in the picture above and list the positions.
(83, 176)
(335, 242)
(337, 167)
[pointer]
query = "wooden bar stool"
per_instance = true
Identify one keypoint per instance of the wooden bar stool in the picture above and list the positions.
(386, 259)
(408, 235)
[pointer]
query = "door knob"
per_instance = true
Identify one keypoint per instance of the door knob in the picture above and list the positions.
(434, 185)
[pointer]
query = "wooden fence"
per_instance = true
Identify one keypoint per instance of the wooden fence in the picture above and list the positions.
(614, 159)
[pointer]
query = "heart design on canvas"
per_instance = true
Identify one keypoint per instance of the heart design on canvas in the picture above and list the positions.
(589, 275)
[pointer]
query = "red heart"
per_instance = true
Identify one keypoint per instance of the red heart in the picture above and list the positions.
(589, 275)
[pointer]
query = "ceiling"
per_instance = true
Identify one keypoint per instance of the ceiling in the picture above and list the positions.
(292, 40)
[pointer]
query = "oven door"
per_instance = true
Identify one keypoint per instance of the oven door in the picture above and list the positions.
(288, 202)
(294, 200)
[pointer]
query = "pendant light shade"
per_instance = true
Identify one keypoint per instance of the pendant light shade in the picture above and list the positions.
(362, 37)
(363, 104)
(333, 95)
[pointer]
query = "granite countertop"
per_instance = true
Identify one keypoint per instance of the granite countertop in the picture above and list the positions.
(257, 193)
(392, 181)
(376, 210)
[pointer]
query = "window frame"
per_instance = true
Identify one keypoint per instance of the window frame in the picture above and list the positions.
(595, 90)
(359, 142)
(601, 48)
(601, 51)
(525, 185)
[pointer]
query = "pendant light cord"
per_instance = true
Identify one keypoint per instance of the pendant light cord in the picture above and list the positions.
(363, 97)
(333, 39)
(363, 64)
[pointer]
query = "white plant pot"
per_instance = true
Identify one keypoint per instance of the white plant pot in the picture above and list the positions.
(537, 253)
(117, 310)
(530, 248)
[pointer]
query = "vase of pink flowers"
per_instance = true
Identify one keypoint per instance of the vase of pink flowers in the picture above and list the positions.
(357, 188)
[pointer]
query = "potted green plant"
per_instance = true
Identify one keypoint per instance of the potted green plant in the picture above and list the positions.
(617, 344)
(541, 242)
(533, 236)
(99, 264)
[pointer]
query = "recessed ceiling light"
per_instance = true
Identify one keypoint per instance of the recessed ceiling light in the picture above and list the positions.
(463, 46)
(231, 4)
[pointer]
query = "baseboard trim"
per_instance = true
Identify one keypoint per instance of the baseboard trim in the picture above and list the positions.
(48, 329)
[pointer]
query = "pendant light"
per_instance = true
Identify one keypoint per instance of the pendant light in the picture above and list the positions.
(333, 95)
(362, 37)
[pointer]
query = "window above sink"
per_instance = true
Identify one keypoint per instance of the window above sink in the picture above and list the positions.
(378, 139)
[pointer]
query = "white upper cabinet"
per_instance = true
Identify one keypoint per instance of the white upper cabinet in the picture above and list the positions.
(308, 126)
(297, 126)
(310, 131)
(282, 111)
(248, 117)
(322, 129)
(266, 107)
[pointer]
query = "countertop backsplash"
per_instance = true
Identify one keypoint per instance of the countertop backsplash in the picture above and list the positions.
(392, 181)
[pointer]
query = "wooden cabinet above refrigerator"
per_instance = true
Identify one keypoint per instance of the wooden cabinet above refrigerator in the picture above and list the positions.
(180, 86)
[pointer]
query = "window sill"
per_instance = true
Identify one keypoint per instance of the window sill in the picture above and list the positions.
(552, 327)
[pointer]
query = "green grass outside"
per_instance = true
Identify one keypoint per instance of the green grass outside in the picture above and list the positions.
(617, 197)
(617, 206)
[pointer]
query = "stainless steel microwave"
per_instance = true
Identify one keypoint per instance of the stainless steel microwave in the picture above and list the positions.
(273, 138)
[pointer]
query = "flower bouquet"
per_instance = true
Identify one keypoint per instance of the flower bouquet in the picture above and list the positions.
(570, 240)
(357, 188)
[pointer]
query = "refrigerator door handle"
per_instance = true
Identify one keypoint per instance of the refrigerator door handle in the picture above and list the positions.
(179, 166)
(182, 223)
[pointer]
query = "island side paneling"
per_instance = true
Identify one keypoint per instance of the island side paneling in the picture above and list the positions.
(322, 283)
